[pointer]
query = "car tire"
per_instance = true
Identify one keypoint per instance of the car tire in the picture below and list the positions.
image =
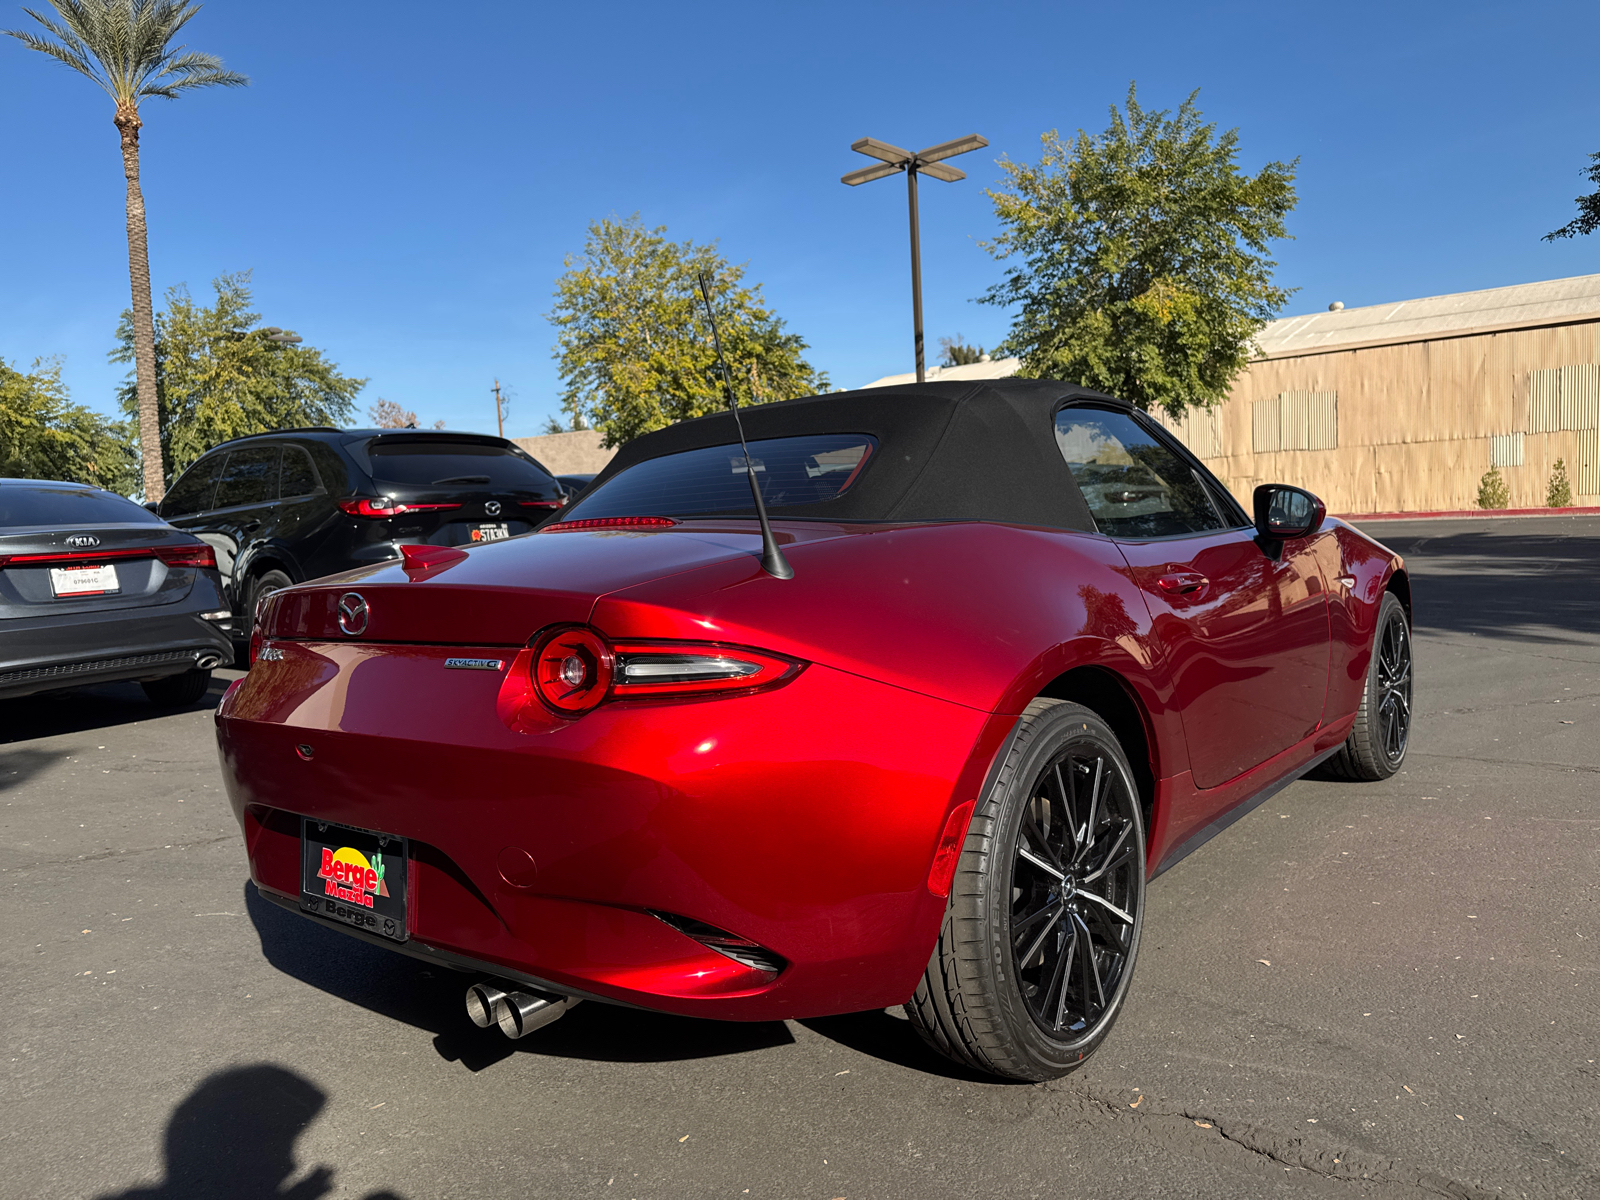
(1378, 741)
(1011, 989)
(177, 691)
(261, 586)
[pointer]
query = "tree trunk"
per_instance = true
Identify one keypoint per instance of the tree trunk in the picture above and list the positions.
(144, 327)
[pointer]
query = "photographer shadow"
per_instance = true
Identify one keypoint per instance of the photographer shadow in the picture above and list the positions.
(233, 1138)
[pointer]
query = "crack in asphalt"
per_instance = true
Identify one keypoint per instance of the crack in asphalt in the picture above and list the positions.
(1182, 1126)
(1519, 762)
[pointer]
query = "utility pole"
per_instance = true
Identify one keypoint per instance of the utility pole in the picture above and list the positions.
(499, 413)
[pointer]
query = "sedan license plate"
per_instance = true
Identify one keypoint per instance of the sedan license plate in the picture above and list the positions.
(490, 533)
(354, 876)
(84, 581)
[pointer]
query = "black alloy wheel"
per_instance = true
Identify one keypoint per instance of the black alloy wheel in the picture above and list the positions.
(1075, 891)
(1041, 931)
(1394, 688)
(1381, 735)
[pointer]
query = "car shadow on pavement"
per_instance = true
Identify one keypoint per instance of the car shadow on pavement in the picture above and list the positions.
(233, 1138)
(432, 998)
(19, 766)
(891, 1039)
(98, 707)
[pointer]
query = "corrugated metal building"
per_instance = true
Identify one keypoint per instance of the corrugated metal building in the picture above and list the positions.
(1402, 407)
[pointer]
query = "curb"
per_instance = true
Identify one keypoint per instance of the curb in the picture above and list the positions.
(1492, 513)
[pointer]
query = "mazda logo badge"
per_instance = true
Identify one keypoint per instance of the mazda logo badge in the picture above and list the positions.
(83, 539)
(492, 508)
(353, 614)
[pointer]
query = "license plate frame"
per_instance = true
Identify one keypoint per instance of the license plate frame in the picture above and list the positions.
(492, 532)
(343, 895)
(95, 578)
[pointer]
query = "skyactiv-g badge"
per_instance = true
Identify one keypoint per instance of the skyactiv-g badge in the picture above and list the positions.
(348, 876)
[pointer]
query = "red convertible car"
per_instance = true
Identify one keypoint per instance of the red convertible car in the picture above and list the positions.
(1030, 655)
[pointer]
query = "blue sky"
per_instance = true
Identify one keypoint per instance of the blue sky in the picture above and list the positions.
(404, 179)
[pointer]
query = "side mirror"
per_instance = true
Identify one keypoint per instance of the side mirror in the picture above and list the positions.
(1284, 513)
(154, 506)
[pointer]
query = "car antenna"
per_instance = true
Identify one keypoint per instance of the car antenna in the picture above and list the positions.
(772, 560)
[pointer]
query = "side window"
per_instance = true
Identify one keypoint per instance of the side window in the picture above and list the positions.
(330, 467)
(299, 477)
(1135, 486)
(251, 477)
(192, 492)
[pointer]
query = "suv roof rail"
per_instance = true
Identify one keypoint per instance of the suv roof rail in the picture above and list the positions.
(277, 432)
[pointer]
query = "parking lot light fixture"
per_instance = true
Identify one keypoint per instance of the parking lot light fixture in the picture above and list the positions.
(892, 159)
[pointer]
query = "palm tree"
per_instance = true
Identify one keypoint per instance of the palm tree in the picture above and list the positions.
(124, 46)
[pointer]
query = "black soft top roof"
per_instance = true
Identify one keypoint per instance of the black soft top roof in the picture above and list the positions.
(969, 451)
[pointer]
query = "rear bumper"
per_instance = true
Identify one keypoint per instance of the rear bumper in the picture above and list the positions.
(803, 819)
(38, 655)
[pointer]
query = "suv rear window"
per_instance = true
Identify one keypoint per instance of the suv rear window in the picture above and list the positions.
(69, 506)
(790, 471)
(414, 462)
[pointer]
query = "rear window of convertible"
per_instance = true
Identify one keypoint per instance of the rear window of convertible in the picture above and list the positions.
(790, 471)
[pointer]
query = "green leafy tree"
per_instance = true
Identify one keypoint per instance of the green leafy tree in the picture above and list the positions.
(1588, 218)
(1559, 493)
(1140, 257)
(125, 47)
(633, 346)
(44, 435)
(1492, 490)
(221, 375)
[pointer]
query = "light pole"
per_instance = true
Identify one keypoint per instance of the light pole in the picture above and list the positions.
(923, 162)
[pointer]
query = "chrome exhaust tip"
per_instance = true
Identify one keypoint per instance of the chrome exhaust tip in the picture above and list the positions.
(208, 660)
(520, 1013)
(483, 999)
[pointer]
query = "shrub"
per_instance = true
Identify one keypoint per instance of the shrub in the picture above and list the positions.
(1492, 490)
(1559, 494)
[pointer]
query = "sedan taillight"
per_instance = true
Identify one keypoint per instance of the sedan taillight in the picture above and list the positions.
(575, 670)
(200, 555)
(386, 506)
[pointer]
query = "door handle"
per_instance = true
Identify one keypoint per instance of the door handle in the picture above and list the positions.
(1188, 584)
(250, 526)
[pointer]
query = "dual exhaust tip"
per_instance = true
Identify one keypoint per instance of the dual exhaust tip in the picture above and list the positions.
(517, 1010)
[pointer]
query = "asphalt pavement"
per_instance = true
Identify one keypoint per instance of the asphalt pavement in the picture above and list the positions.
(1379, 990)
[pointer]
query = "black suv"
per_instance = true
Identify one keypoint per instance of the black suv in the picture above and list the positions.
(281, 508)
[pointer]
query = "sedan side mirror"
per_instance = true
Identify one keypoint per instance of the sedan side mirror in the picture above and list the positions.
(154, 506)
(1284, 513)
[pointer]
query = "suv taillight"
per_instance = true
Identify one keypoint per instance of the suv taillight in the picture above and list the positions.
(386, 506)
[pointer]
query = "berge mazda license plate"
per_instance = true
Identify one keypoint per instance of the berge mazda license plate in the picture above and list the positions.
(84, 581)
(354, 876)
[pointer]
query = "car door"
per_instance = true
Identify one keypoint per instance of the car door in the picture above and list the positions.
(1245, 634)
(246, 495)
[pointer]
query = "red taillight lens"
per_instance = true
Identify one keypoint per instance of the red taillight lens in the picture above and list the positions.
(546, 505)
(572, 669)
(201, 556)
(386, 506)
(174, 556)
(611, 523)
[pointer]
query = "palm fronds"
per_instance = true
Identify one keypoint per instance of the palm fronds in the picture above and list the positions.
(123, 45)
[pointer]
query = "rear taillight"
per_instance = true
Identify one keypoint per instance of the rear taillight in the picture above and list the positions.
(546, 505)
(386, 506)
(201, 556)
(573, 669)
(611, 523)
(261, 621)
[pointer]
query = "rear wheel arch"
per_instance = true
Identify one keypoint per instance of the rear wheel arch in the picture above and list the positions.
(1110, 697)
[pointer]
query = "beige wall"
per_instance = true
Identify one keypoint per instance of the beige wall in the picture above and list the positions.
(1414, 422)
(575, 453)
